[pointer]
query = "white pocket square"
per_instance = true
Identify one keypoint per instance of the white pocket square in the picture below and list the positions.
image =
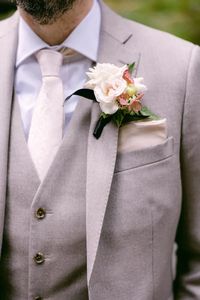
(141, 134)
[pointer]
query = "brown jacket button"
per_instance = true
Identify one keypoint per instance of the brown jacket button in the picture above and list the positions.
(40, 213)
(39, 258)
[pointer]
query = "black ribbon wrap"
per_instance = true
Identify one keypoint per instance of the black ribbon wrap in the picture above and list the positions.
(85, 93)
(103, 121)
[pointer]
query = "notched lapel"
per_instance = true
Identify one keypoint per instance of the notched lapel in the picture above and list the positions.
(8, 45)
(100, 167)
(102, 152)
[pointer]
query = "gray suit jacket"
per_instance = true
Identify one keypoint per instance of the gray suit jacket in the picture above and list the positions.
(135, 201)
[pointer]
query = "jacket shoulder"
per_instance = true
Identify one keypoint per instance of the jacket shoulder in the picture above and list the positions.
(143, 38)
(145, 35)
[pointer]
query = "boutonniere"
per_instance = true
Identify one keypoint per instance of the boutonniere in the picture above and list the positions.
(118, 93)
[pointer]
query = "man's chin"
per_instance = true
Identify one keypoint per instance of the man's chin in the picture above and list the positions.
(45, 12)
(46, 20)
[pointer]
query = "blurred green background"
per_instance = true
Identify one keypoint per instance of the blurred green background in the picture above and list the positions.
(180, 17)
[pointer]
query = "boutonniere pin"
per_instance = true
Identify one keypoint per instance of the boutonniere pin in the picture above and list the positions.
(118, 94)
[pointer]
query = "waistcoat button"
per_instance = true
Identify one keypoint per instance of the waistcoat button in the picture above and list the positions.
(40, 213)
(39, 258)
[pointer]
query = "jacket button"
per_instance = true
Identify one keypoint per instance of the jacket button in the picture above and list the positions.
(40, 213)
(38, 298)
(39, 258)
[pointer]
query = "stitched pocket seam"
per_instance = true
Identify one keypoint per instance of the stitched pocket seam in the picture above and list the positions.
(145, 165)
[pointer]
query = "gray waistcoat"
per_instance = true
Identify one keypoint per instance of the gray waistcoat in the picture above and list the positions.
(44, 250)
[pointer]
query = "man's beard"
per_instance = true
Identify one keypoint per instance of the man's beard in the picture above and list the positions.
(46, 11)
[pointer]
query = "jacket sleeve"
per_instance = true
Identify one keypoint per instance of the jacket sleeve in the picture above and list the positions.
(187, 282)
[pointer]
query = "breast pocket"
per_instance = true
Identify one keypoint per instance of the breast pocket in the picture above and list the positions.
(149, 155)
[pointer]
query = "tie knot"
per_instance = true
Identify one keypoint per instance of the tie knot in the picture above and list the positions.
(50, 62)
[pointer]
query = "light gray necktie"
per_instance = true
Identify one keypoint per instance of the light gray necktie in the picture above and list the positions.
(46, 130)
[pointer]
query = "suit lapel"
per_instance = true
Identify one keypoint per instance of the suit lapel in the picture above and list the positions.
(102, 153)
(8, 42)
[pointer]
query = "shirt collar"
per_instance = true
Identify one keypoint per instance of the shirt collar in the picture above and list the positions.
(83, 39)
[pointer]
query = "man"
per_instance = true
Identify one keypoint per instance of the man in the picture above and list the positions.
(86, 218)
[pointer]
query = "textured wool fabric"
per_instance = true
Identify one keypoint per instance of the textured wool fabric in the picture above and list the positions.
(61, 235)
(14, 275)
(133, 207)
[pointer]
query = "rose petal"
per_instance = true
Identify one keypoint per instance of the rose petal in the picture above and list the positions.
(101, 97)
(109, 108)
(104, 72)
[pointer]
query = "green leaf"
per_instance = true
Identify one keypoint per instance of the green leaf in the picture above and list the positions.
(130, 118)
(131, 68)
(146, 112)
(118, 118)
(101, 123)
(104, 115)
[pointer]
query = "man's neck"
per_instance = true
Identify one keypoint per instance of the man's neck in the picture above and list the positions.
(56, 33)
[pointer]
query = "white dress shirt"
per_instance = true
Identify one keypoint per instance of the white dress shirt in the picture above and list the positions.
(84, 40)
